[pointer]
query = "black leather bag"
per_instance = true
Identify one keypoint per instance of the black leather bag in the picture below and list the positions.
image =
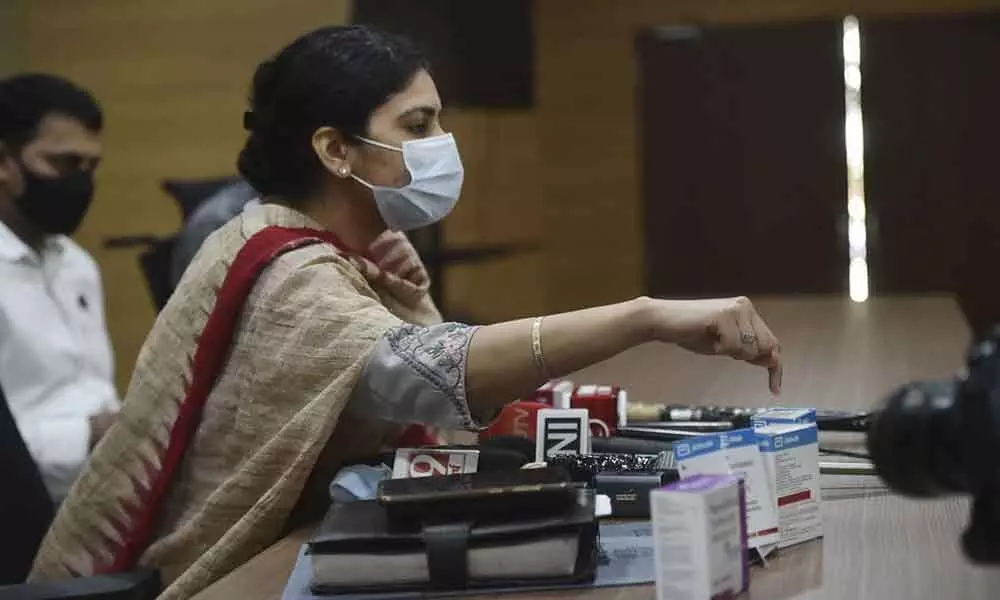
(365, 529)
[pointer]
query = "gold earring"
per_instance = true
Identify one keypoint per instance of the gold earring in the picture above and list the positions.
(343, 171)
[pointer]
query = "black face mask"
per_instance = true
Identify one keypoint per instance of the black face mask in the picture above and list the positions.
(56, 205)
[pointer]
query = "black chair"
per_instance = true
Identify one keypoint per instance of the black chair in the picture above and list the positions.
(157, 257)
(26, 511)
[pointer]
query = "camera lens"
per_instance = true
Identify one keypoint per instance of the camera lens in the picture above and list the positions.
(943, 437)
(916, 440)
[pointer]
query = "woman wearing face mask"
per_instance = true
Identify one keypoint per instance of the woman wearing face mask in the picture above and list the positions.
(287, 352)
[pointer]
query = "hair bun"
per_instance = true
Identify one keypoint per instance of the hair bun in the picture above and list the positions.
(253, 165)
(265, 80)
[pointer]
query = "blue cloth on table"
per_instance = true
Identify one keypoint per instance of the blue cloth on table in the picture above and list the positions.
(358, 482)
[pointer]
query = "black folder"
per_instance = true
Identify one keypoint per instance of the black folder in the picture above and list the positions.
(359, 549)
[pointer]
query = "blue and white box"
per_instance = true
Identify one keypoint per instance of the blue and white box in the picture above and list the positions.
(791, 459)
(736, 453)
(783, 416)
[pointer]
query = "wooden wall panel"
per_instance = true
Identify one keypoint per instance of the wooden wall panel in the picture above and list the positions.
(500, 205)
(481, 52)
(743, 159)
(173, 80)
(931, 123)
(13, 17)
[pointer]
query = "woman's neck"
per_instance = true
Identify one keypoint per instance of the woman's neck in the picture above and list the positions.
(357, 224)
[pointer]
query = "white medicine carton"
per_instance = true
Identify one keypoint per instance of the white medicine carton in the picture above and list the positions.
(778, 416)
(791, 459)
(736, 453)
(699, 538)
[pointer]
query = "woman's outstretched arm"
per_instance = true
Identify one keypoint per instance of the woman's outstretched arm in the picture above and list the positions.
(458, 376)
(504, 362)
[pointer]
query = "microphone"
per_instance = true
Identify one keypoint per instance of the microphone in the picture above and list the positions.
(606, 404)
(677, 412)
(666, 435)
(628, 445)
(556, 394)
(607, 407)
(671, 415)
(689, 427)
(518, 419)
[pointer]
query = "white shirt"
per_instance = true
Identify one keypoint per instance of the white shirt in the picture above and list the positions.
(56, 365)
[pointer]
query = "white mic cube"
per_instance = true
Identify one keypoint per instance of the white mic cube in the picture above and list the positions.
(561, 432)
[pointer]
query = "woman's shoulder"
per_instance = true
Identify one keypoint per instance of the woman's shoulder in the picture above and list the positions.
(224, 245)
(306, 275)
(321, 266)
(262, 215)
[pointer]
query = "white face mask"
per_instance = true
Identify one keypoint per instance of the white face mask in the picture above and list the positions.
(436, 176)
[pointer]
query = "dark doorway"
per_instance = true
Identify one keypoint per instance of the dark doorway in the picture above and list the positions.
(931, 101)
(744, 177)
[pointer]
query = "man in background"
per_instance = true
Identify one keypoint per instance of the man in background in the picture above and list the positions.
(56, 364)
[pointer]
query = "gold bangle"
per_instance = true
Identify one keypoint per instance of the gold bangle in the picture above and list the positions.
(536, 348)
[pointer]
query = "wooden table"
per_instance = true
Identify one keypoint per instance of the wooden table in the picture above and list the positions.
(838, 354)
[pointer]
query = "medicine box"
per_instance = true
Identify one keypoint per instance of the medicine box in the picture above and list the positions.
(791, 459)
(736, 453)
(778, 416)
(699, 538)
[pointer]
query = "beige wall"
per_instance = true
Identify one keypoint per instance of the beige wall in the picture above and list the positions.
(173, 78)
(501, 204)
(12, 36)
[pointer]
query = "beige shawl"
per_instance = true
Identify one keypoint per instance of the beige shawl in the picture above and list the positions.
(273, 431)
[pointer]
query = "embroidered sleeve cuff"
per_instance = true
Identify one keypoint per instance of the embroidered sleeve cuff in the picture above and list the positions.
(417, 375)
